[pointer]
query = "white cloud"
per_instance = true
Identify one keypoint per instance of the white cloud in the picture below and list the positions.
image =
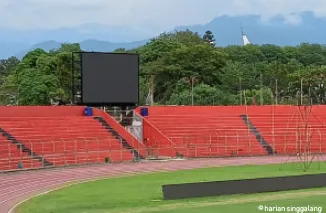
(149, 15)
(293, 19)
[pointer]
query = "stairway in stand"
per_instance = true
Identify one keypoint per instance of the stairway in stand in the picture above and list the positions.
(118, 137)
(62, 141)
(13, 153)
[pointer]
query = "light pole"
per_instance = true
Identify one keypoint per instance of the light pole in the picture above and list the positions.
(192, 91)
(261, 90)
(301, 91)
(276, 91)
(240, 88)
(17, 85)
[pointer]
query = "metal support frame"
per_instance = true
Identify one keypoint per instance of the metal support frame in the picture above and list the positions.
(76, 73)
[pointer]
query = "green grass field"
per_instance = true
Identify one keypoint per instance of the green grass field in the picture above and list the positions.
(142, 193)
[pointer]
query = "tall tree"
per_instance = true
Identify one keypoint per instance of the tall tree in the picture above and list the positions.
(209, 37)
(184, 67)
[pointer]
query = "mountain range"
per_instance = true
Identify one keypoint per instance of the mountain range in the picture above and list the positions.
(227, 31)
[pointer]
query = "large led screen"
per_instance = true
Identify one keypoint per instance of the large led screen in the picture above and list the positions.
(109, 78)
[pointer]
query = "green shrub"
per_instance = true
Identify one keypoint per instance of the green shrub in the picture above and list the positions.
(107, 160)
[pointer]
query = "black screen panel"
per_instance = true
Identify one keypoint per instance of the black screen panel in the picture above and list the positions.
(109, 78)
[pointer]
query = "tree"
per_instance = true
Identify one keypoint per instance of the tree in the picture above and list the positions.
(120, 50)
(41, 76)
(31, 57)
(36, 88)
(183, 67)
(202, 95)
(185, 62)
(209, 38)
(186, 37)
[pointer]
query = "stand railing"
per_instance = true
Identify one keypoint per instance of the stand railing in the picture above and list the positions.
(79, 151)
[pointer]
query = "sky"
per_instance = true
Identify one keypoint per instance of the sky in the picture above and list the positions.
(151, 15)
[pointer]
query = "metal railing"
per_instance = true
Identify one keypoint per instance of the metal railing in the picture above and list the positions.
(218, 143)
(64, 152)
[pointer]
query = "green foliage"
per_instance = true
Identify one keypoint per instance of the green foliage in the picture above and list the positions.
(186, 69)
(107, 160)
(39, 77)
(37, 88)
(203, 94)
(209, 38)
(258, 96)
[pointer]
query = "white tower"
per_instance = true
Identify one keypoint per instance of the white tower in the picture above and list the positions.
(244, 38)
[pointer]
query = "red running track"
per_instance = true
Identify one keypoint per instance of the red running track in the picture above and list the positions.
(16, 187)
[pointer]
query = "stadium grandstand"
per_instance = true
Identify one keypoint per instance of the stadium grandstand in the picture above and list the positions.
(41, 136)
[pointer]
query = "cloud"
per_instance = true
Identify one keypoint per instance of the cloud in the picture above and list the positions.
(152, 16)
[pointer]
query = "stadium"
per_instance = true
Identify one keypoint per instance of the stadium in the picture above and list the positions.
(157, 158)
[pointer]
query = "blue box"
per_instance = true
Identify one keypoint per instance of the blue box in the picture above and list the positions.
(88, 111)
(144, 111)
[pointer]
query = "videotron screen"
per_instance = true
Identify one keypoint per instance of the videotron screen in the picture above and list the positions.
(109, 78)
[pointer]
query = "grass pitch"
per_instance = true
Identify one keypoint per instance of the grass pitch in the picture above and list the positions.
(142, 193)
